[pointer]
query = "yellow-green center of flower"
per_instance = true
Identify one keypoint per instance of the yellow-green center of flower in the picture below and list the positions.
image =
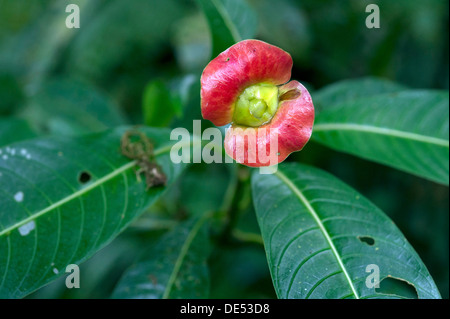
(256, 105)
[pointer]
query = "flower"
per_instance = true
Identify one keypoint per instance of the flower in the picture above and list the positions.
(245, 86)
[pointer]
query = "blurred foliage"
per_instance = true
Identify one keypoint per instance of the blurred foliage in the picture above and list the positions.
(55, 80)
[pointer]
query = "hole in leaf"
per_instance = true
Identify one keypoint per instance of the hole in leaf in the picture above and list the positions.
(397, 287)
(290, 95)
(367, 240)
(84, 177)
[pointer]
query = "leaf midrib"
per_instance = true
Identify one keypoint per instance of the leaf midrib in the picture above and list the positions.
(381, 131)
(183, 252)
(313, 213)
(81, 192)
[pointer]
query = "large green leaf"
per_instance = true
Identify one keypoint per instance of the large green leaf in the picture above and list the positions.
(230, 21)
(100, 273)
(320, 235)
(62, 199)
(174, 267)
(407, 130)
(71, 107)
(140, 32)
(345, 91)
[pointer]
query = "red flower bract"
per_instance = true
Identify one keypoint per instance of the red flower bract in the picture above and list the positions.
(224, 80)
(240, 66)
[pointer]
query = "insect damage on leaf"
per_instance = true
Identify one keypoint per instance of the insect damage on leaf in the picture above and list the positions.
(137, 146)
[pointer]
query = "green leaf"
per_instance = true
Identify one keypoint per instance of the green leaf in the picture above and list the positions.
(230, 21)
(71, 107)
(62, 199)
(13, 130)
(320, 235)
(174, 267)
(406, 130)
(160, 105)
(345, 91)
(95, 54)
(99, 274)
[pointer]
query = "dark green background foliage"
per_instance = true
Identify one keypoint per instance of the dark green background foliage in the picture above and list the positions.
(67, 95)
